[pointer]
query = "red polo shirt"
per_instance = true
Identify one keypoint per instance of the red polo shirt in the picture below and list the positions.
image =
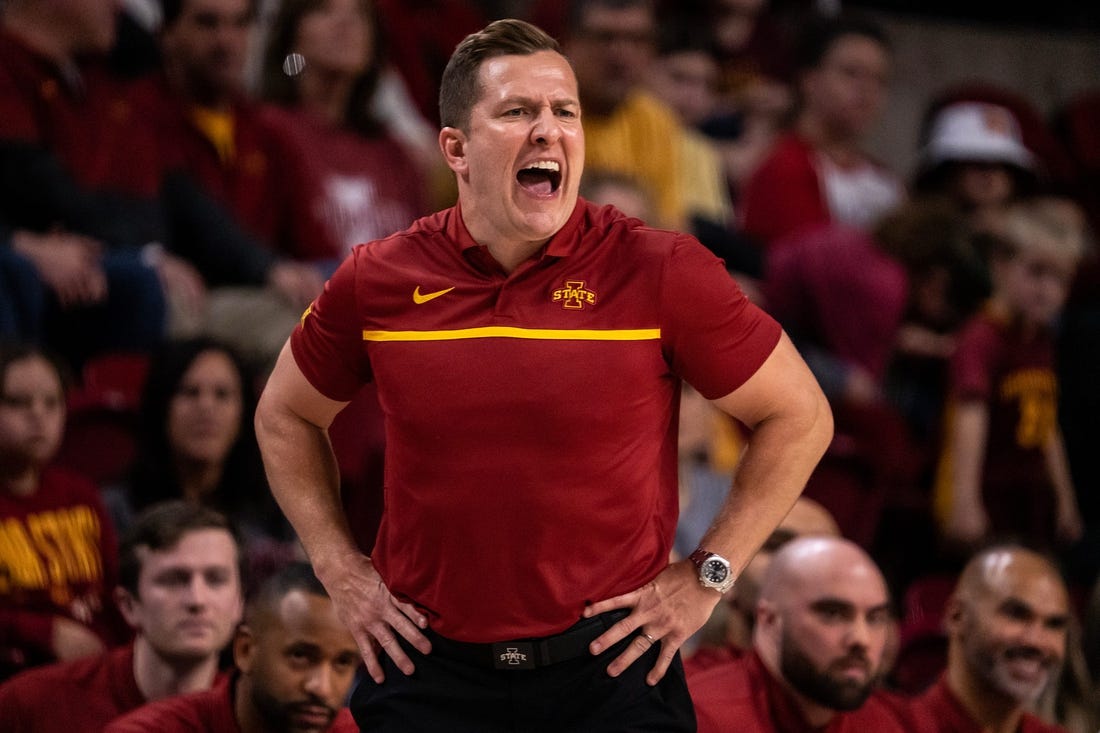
(209, 711)
(938, 711)
(743, 696)
(82, 695)
(530, 417)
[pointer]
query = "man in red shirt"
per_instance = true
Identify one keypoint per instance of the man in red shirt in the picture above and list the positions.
(822, 625)
(528, 349)
(180, 589)
(296, 662)
(1006, 625)
(817, 173)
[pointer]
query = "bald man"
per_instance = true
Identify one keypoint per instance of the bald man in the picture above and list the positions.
(822, 623)
(729, 631)
(295, 662)
(1006, 624)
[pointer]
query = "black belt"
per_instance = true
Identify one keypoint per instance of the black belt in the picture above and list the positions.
(528, 653)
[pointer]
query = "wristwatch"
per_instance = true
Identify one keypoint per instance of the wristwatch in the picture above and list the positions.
(714, 570)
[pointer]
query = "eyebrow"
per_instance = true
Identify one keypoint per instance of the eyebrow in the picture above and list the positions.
(1013, 604)
(531, 101)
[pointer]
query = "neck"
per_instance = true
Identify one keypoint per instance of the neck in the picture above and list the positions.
(817, 716)
(198, 479)
(508, 253)
(195, 93)
(326, 95)
(248, 718)
(21, 481)
(991, 709)
(158, 677)
(841, 149)
(36, 33)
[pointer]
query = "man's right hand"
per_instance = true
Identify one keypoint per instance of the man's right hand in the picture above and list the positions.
(67, 263)
(372, 614)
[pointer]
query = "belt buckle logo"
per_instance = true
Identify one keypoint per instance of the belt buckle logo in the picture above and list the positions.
(514, 655)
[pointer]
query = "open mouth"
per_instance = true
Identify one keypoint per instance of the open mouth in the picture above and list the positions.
(540, 179)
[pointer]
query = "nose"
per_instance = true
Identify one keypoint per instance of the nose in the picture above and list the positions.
(546, 129)
(859, 633)
(319, 682)
(198, 593)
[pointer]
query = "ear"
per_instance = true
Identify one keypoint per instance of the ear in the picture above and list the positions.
(767, 617)
(452, 141)
(244, 648)
(953, 613)
(128, 606)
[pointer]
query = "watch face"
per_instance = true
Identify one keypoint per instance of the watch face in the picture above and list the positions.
(714, 571)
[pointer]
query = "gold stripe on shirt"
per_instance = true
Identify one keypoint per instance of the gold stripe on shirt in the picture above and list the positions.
(511, 332)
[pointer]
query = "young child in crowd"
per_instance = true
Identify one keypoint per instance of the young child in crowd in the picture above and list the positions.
(57, 546)
(1003, 472)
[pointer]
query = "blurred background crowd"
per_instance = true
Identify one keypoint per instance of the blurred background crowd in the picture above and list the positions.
(911, 189)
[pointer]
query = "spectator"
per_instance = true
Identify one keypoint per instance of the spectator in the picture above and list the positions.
(975, 157)
(295, 664)
(1006, 624)
(816, 172)
(215, 135)
(180, 590)
(322, 66)
(627, 130)
(728, 633)
(1003, 471)
(58, 549)
(196, 442)
(822, 626)
(78, 190)
(682, 75)
(754, 91)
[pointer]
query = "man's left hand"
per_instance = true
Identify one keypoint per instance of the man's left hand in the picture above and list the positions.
(666, 611)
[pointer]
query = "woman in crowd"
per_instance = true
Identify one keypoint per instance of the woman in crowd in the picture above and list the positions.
(196, 442)
(58, 564)
(322, 68)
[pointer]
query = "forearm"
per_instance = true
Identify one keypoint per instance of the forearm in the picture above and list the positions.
(970, 427)
(304, 478)
(1058, 466)
(781, 454)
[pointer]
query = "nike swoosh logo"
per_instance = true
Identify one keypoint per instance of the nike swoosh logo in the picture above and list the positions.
(418, 298)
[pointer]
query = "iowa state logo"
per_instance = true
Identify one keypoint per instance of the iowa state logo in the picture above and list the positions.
(574, 295)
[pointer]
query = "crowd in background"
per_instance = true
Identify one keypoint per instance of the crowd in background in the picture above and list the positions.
(179, 178)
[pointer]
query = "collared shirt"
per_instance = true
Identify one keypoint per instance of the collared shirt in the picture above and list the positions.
(938, 711)
(209, 711)
(531, 458)
(82, 695)
(743, 696)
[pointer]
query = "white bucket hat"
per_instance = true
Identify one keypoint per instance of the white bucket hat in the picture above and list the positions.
(976, 131)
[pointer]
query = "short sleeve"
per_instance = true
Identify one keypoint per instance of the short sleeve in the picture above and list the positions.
(972, 363)
(712, 335)
(328, 342)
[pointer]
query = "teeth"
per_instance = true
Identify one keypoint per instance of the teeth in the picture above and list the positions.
(546, 165)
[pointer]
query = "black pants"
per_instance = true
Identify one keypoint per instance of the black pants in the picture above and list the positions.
(448, 695)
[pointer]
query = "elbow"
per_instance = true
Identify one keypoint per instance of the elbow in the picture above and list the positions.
(823, 423)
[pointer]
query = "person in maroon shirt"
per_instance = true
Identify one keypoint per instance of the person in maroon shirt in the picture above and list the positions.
(1006, 626)
(296, 663)
(822, 626)
(528, 349)
(817, 172)
(180, 590)
(57, 545)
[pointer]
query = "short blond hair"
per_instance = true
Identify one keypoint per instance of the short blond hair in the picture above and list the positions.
(1049, 223)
